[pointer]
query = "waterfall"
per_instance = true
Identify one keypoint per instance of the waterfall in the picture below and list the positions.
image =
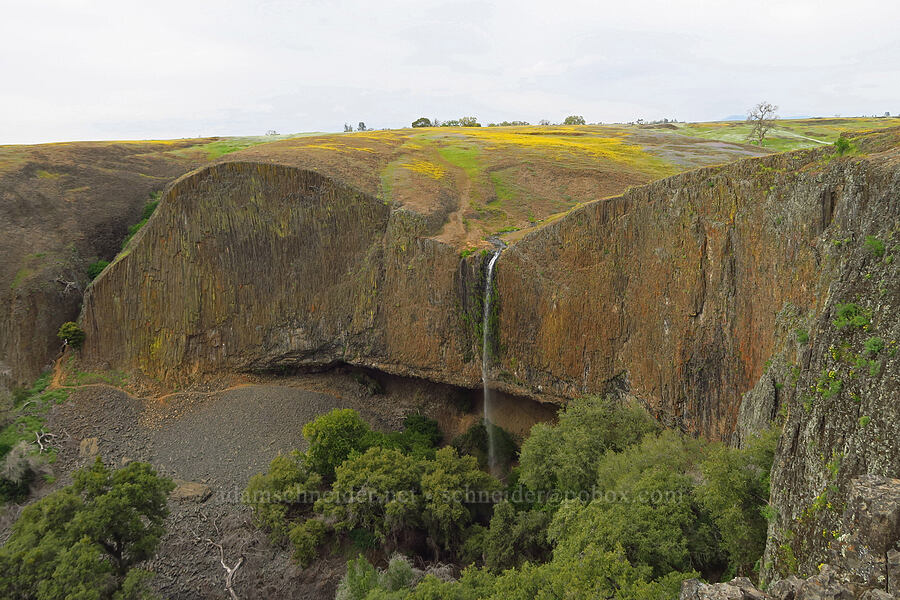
(486, 355)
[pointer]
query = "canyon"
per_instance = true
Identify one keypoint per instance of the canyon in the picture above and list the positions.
(687, 293)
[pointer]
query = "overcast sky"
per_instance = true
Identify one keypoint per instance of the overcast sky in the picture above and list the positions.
(81, 70)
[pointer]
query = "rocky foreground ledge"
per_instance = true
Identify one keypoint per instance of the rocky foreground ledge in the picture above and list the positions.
(864, 562)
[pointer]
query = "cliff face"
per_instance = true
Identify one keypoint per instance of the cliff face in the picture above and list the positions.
(63, 206)
(250, 266)
(672, 287)
(840, 391)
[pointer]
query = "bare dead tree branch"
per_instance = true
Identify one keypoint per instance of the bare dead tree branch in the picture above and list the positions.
(229, 571)
(41, 437)
(69, 284)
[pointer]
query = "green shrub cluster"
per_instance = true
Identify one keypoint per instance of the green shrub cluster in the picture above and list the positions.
(383, 487)
(603, 504)
(595, 574)
(149, 209)
(71, 333)
(95, 268)
(842, 145)
(874, 345)
(394, 494)
(84, 540)
(564, 456)
(851, 315)
(282, 493)
(475, 442)
(874, 246)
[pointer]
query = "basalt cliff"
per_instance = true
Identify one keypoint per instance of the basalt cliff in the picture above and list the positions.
(723, 298)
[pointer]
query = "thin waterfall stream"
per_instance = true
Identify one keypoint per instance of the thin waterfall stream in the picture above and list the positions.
(486, 353)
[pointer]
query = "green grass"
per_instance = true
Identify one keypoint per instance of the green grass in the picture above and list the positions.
(227, 145)
(503, 189)
(113, 378)
(28, 416)
(21, 276)
(466, 157)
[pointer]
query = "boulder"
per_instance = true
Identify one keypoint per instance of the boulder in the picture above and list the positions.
(785, 589)
(827, 585)
(739, 588)
(89, 447)
(871, 523)
(190, 491)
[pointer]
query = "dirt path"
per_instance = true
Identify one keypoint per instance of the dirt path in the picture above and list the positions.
(797, 135)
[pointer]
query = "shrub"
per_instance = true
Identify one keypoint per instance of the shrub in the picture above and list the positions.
(306, 538)
(564, 456)
(361, 578)
(19, 470)
(148, 211)
(421, 426)
(828, 385)
(19, 464)
(802, 336)
(594, 574)
(445, 483)
(735, 491)
(280, 493)
(475, 442)
(71, 333)
(851, 315)
(363, 539)
(874, 345)
(418, 438)
(95, 268)
(874, 246)
(644, 502)
(378, 490)
(372, 386)
(332, 438)
(398, 575)
(515, 537)
(842, 145)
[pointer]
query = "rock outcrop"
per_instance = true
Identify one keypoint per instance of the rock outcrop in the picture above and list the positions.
(262, 267)
(860, 563)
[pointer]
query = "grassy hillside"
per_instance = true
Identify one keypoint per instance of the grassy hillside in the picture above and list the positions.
(789, 134)
(478, 182)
